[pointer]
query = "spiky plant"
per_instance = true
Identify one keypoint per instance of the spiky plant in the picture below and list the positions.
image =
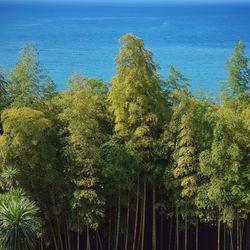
(8, 178)
(19, 223)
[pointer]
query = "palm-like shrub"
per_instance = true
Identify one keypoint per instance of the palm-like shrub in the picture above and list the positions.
(19, 223)
(8, 177)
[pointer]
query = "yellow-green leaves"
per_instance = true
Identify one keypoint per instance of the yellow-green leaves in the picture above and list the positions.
(24, 125)
(28, 83)
(238, 80)
(86, 124)
(225, 163)
(176, 80)
(135, 96)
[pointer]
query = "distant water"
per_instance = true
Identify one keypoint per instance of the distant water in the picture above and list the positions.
(196, 39)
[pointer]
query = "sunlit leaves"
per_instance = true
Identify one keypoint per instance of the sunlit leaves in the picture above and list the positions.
(28, 83)
(238, 79)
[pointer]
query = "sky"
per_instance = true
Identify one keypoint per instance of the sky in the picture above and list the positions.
(133, 1)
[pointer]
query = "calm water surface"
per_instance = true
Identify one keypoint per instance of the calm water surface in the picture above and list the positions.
(84, 38)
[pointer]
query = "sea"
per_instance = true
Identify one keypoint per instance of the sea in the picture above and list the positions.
(84, 38)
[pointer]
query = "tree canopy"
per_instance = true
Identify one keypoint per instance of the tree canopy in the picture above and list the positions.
(136, 163)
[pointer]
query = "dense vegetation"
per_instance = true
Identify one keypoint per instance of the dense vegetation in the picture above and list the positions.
(138, 163)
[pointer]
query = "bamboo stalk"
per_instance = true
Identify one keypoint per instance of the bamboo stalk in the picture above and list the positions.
(127, 226)
(136, 212)
(143, 213)
(153, 223)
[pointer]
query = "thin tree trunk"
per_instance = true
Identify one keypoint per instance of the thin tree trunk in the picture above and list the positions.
(175, 241)
(242, 225)
(231, 239)
(41, 243)
(218, 233)
(54, 236)
(143, 213)
(237, 234)
(224, 237)
(96, 241)
(78, 233)
(127, 226)
(154, 223)
(109, 236)
(100, 242)
(140, 228)
(161, 233)
(68, 237)
(247, 233)
(53, 232)
(240, 235)
(240, 232)
(177, 229)
(136, 212)
(118, 220)
(58, 241)
(60, 237)
(87, 239)
(170, 233)
(197, 235)
(186, 232)
(104, 230)
(228, 240)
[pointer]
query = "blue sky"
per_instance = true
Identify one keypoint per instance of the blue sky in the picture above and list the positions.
(133, 1)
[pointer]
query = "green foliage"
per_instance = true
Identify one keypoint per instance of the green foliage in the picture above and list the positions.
(225, 164)
(238, 79)
(8, 177)
(3, 92)
(26, 149)
(28, 83)
(120, 165)
(87, 125)
(187, 134)
(176, 80)
(90, 156)
(135, 96)
(19, 222)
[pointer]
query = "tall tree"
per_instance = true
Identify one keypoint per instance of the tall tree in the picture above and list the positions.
(28, 83)
(135, 96)
(225, 164)
(138, 104)
(186, 136)
(238, 79)
(26, 146)
(87, 126)
(120, 168)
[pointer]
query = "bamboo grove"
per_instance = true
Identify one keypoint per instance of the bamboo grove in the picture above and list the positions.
(137, 163)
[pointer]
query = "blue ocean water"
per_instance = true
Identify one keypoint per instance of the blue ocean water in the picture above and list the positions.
(196, 39)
